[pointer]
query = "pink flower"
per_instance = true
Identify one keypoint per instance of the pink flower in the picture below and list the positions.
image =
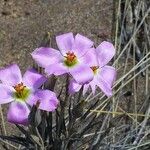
(104, 75)
(22, 92)
(71, 58)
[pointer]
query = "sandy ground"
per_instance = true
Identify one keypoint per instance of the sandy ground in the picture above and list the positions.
(24, 23)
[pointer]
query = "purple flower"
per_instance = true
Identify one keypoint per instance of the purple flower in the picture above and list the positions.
(22, 92)
(104, 75)
(71, 58)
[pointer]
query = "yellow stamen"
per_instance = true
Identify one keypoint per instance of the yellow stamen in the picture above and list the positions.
(70, 56)
(19, 89)
(71, 59)
(94, 68)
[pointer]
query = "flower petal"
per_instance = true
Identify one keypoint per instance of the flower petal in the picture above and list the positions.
(93, 86)
(105, 52)
(81, 44)
(11, 75)
(85, 88)
(90, 58)
(45, 56)
(33, 79)
(106, 78)
(108, 74)
(57, 69)
(6, 94)
(74, 86)
(65, 42)
(105, 88)
(81, 73)
(18, 113)
(48, 100)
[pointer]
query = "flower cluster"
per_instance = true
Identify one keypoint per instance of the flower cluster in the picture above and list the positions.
(86, 65)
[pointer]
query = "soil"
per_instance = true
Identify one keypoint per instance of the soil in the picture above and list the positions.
(23, 25)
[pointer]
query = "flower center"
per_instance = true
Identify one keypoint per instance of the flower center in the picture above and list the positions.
(70, 59)
(21, 92)
(94, 68)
